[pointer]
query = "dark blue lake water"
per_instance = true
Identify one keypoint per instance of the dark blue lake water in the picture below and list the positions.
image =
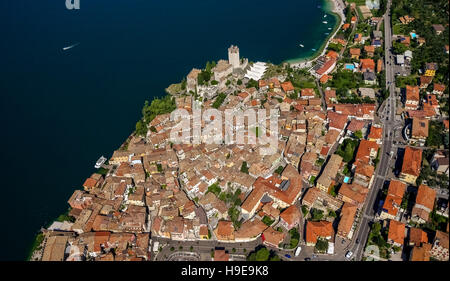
(61, 110)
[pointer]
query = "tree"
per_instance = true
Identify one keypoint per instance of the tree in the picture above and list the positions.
(358, 134)
(244, 167)
(321, 245)
(141, 128)
(262, 254)
(304, 210)
(252, 83)
(332, 213)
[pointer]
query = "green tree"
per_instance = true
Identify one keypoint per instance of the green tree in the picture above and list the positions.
(244, 167)
(358, 134)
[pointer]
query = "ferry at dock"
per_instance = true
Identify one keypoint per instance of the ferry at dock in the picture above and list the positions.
(100, 162)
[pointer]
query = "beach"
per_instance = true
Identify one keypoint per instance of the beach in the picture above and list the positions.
(337, 8)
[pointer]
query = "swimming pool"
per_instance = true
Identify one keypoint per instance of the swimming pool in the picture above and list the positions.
(349, 66)
(346, 179)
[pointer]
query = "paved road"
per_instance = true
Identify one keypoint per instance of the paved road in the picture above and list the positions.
(388, 136)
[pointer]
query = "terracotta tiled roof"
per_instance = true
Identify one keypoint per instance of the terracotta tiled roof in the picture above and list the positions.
(375, 133)
(412, 161)
(287, 86)
(421, 253)
(426, 196)
(290, 215)
(318, 229)
(417, 236)
(273, 237)
(348, 213)
(354, 192)
(396, 232)
(412, 93)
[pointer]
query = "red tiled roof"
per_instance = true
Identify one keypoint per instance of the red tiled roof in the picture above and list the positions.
(426, 196)
(318, 229)
(412, 161)
(396, 232)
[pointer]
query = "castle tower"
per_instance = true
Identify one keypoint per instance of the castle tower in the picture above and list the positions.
(233, 57)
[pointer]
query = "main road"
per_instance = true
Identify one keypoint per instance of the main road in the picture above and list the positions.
(388, 120)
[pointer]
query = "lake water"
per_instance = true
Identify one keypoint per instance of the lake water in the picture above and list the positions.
(61, 110)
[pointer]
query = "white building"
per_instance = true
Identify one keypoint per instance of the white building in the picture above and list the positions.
(256, 72)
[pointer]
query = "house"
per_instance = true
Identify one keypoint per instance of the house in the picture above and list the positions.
(424, 204)
(324, 79)
(408, 55)
(272, 237)
(224, 231)
(364, 174)
(369, 78)
(421, 253)
(400, 59)
(406, 19)
(358, 38)
(314, 196)
(419, 132)
(439, 250)
(221, 255)
(355, 53)
(396, 234)
(412, 97)
(318, 230)
(377, 34)
(367, 65)
(430, 69)
(287, 87)
(405, 40)
(412, 161)
(438, 28)
(379, 65)
(440, 162)
(353, 193)
(54, 249)
(327, 67)
(290, 217)
(424, 81)
(348, 214)
(332, 55)
(438, 89)
(376, 134)
(393, 201)
(307, 93)
(329, 173)
(356, 125)
(370, 50)
(330, 97)
(417, 237)
(367, 151)
(345, 26)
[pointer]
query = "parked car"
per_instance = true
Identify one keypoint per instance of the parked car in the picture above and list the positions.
(287, 256)
(349, 254)
(307, 259)
(297, 252)
(357, 240)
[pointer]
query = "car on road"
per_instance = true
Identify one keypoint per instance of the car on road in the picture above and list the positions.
(307, 259)
(297, 252)
(349, 254)
(357, 240)
(287, 256)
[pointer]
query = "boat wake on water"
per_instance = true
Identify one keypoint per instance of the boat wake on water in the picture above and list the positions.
(70, 47)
